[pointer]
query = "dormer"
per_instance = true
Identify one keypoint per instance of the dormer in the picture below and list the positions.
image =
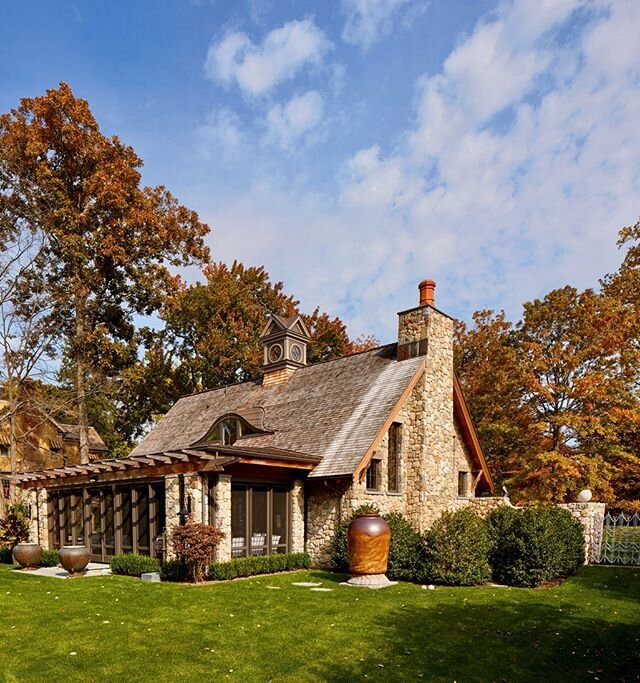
(284, 344)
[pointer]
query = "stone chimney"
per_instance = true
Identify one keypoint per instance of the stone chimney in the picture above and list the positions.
(417, 326)
(284, 344)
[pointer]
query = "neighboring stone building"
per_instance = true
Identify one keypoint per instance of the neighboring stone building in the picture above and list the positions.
(43, 442)
(277, 463)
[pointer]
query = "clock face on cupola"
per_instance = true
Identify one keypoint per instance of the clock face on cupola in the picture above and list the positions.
(284, 343)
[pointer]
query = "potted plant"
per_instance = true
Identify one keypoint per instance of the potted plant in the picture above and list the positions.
(14, 531)
(368, 538)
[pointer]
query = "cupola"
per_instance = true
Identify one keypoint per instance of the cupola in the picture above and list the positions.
(284, 344)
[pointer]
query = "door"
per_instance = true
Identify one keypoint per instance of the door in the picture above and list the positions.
(102, 528)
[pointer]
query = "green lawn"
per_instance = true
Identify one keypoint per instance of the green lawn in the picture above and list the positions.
(123, 630)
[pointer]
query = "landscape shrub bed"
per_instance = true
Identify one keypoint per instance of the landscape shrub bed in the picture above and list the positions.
(455, 550)
(259, 564)
(130, 564)
(174, 570)
(49, 558)
(534, 544)
(5, 555)
(404, 552)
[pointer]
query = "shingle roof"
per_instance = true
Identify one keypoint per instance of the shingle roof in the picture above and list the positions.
(333, 410)
(72, 433)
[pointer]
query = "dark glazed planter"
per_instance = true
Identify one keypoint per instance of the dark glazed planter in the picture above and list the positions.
(27, 555)
(368, 538)
(74, 558)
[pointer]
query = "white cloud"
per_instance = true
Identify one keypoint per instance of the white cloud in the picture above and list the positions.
(368, 20)
(257, 68)
(287, 124)
(223, 132)
(517, 170)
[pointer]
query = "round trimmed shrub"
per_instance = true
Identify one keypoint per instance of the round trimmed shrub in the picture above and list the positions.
(534, 544)
(49, 558)
(404, 551)
(456, 550)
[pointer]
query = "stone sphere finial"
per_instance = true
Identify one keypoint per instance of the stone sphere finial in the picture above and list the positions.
(585, 496)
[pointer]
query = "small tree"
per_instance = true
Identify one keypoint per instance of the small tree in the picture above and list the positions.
(195, 543)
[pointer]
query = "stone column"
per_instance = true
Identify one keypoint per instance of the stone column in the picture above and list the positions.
(195, 489)
(43, 518)
(297, 517)
(172, 507)
(31, 500)
(591, 516)
(222, 509)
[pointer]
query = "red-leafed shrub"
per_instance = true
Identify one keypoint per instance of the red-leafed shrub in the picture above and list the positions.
(194, 544)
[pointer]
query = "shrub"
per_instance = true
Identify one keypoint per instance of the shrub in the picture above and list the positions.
(456, 550)
(14, 528)
(174, 570)
(49, 558)
(627, 507)
(534, 544)
(195, 544)
(130, 564)
(404, 551)
(258, 564)
(5, 555)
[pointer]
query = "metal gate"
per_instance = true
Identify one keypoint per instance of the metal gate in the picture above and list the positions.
(620, 542)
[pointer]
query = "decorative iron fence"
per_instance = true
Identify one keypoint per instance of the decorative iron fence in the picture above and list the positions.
(620, 543)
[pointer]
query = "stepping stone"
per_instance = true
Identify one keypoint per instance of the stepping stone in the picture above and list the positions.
(273, 588)
(306, 584)
(322, 590)
(150, 577)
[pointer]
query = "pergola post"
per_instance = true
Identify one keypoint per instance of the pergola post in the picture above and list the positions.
(222, 512)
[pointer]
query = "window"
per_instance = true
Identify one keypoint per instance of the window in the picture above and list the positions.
(259, 519)
(373, 475)
(4, 450)
(226, 431)
(463, 484)
(393, 459)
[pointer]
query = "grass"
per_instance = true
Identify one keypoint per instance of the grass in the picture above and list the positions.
(122, 629)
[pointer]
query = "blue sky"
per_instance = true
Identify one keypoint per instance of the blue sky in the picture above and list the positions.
(356, 147)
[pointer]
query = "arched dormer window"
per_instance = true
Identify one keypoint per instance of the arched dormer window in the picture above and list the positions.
(228, 429)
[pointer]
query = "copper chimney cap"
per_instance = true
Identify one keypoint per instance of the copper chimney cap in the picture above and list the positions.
(427, 296)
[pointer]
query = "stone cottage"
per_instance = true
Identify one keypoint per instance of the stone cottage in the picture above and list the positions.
(277, 463)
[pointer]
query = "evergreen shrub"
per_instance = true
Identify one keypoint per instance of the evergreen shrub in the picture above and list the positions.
(455, 550)
(130, 564)
(49, 558)
(258, 564)
(534, 544)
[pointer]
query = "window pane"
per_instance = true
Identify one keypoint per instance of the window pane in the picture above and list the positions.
(78, 518)
(279, 521)
(127, 531)
(238, 520)
(259, 520)
(142, 507)
(96, 524)
(109, 537)
(393, 457)
(373, 475)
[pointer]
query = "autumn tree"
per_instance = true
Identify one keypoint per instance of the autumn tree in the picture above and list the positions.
(107, 241)
(487, 362)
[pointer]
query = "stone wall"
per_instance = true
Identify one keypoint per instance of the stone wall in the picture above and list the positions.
(591, 516)
(297, 517)
(433, 451)
(36, 499)
(172, 507)
(222, 515)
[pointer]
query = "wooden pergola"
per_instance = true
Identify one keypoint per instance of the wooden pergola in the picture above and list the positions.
(207, 458)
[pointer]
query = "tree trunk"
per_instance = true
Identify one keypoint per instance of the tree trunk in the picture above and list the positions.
(81, 392)
(13, 450)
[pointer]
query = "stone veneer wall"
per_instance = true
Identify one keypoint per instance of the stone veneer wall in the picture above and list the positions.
(432, 448)
(297, 517)
(591, 516)
(39, 524)
(222, 515)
